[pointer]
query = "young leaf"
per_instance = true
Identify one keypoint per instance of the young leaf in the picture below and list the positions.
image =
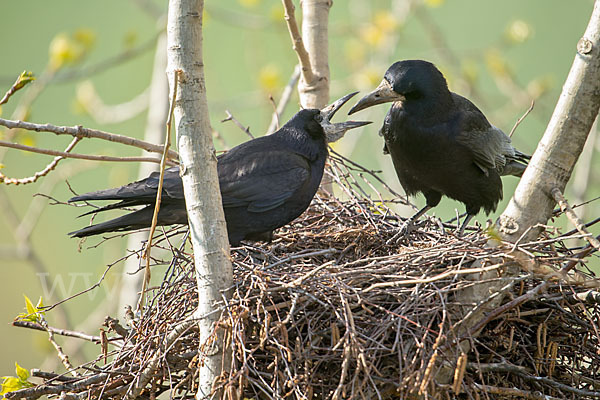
(22, 373)
(10, 384)
(29, 305)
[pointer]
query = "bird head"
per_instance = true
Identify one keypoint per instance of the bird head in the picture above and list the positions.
(406, 81)
(319, 121)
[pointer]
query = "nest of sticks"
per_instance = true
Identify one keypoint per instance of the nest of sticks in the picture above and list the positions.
(336, 307)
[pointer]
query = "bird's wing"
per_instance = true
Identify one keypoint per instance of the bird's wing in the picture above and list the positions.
(261, 180)
(489, 145)
(172, 185)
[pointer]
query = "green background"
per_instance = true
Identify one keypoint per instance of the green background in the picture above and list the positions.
(248, 56)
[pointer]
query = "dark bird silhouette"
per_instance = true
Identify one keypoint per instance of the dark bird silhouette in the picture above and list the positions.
(440, 142)
(265, 183)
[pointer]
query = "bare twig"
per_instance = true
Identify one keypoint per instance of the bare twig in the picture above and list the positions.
(230, 117)
(80, 131)
(159, 191)
(285, 99)
(62, 155)
(20, 83)
(579, 224)
(522, 118)
(57, 331)
(297, 43)
(44, 172)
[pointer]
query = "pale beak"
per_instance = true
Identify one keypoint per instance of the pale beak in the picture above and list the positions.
(382, 94)
(335, 131)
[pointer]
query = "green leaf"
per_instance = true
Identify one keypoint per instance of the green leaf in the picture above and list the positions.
(29, 305)
(33, 313)
(22, 373)
(10, 384)
(40, 304)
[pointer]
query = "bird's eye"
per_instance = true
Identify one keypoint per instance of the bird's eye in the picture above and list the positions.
(318, 118)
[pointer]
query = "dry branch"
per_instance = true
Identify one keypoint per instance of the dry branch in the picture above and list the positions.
(80, 131)
(297, 43)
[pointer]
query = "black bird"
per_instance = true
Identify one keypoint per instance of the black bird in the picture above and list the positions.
(265, 183)
(440, 142)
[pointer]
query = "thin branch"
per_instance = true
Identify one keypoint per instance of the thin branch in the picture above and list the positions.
(579, 224)
(80, 131)
(163, 161)
(285, 99)
(170, 339)
(230, 117)
(61, 155)
(297, 43)
(57, 331)
(20, 83)
(522, 118)
(61, 354)
(44, 172)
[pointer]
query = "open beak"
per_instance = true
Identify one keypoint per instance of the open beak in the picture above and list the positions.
(335, 131)
(382, 94)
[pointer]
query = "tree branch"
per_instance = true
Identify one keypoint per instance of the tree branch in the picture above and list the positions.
(579, 224)
(80, 131)
(62, 332)
(285, 99)
(297, 43)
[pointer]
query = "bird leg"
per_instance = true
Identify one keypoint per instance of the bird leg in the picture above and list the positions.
(408, 225)
(465, 224)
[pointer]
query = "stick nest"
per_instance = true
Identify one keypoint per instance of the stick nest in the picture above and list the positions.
(336, 307)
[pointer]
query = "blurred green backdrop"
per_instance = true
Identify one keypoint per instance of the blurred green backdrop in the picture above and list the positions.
(500, 54)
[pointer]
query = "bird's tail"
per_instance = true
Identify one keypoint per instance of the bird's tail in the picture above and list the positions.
(134, 220)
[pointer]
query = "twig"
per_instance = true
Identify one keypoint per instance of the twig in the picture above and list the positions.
(61, 354)
(507, 392)
(522, 118)
(39, 174)
(40, 390)
(579, 224)
(530, 295)
(438, 277)
(21, 82)
(297, 43)
(63, 332)
(159, 191)
(285, 99)
(230, 117)
(64, 154)
(80, 131)
(169, 340)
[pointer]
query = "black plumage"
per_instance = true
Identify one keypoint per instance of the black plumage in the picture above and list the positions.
(265, 183)
(440, 142)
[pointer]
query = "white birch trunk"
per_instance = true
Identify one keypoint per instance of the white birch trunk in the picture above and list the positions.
(200, 181)
(315, 20)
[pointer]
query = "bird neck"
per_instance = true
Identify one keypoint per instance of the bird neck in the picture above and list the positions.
(303, 143)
